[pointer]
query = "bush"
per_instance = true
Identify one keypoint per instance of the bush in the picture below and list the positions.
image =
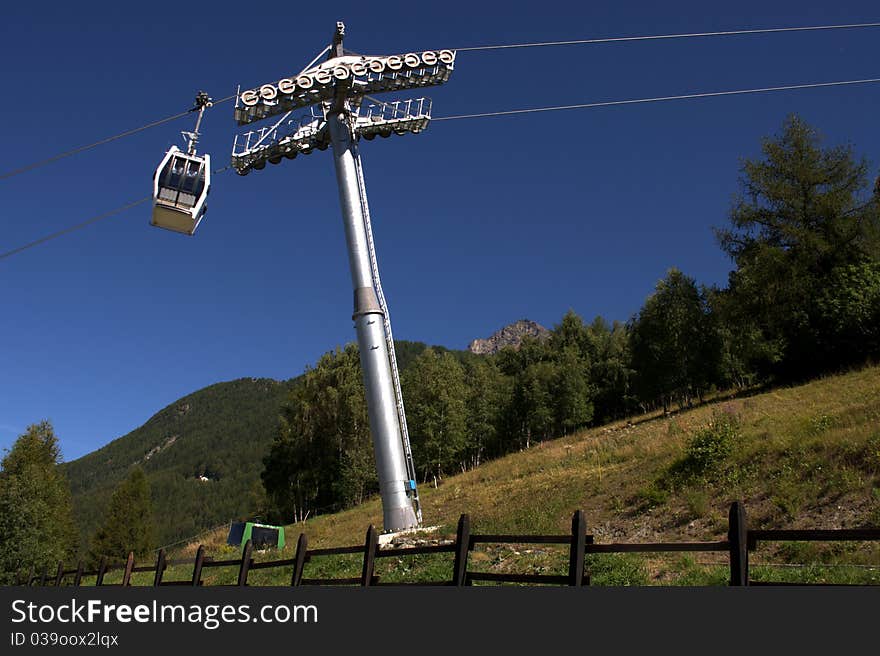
(712, 444)
(706, 450)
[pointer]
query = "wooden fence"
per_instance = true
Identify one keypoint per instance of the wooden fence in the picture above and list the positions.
(740, 541)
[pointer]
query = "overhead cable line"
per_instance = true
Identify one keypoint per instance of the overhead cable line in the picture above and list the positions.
(658, 37)
(88, 222)
(623, 39)
(85, 223)
(81, 149)
(610, 103)
(635, 101)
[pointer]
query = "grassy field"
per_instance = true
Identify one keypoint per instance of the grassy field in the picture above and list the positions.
(799, 457)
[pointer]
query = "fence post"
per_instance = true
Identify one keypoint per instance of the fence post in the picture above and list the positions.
(77, 579)
(300, 559)
(197, 566)
(30, 578)
(60, 574)
(371, 544)
(43, 575)
(126, 574)
(737, 535)
(576, 554)
(102, 569)
(245, 563)
(160, 568)
(462, 547)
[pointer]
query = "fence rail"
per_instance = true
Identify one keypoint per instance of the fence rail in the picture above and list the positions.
(740, 541)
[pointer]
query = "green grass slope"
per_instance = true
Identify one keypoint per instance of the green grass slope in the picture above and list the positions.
(799, 457)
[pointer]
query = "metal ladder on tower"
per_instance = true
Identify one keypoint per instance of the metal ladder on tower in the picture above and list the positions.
(389, 338)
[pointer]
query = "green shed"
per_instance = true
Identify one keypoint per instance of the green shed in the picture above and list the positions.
(260, 535)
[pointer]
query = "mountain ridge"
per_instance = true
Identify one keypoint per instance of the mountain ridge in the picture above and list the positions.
(510, 335)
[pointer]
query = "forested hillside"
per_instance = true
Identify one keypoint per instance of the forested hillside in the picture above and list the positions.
(220, 432)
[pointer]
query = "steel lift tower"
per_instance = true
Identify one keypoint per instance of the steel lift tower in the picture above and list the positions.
(339, 111)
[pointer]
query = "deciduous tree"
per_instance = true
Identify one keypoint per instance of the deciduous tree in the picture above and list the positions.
(671, 340)
(322, 455)
(436, 404)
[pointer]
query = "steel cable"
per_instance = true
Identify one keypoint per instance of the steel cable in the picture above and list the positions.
(658, 37)
(80, 149)
(635, 101)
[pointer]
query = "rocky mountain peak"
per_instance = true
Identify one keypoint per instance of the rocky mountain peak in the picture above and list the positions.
(511, 335)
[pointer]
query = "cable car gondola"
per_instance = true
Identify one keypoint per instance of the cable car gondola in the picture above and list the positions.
(181, 183)
(180, 191)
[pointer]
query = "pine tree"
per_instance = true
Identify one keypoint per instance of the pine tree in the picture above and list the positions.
(804, 221)
(36, 520)
(128, 521)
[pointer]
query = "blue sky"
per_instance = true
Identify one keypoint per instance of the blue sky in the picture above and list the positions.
(477, 222)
